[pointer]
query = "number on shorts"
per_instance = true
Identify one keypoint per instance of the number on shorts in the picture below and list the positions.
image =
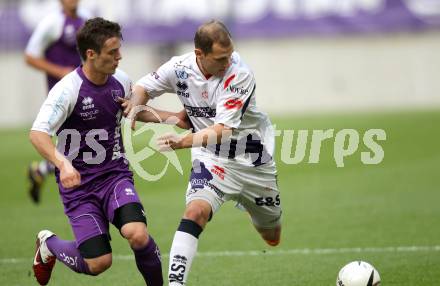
(268, 201)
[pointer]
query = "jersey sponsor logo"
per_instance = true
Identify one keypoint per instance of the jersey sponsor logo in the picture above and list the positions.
(205, 94)
(88, 108)
(228, 81)
(69, 35)
(87, 103)
(199, 182)
(70, 260)
(200, 175)
(238, 90)
(89, 115)
(117, 147)
(194, 111)
(129, 192)
(219, 171)
(177, 269)
(201, 178)
(181, 74)
(182, 86)
(233, 103)
(155, 75)
(116, 93)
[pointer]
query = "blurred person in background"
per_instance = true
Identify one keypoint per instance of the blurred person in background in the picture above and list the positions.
(232, 141)
(52, 50)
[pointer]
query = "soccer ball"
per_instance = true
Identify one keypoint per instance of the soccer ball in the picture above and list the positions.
(358, 273)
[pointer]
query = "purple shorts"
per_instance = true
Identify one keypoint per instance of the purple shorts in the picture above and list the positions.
(95, 204)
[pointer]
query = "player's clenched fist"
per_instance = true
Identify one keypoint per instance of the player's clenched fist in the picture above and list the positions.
(168, 142)
(69, 176)
(126, 106)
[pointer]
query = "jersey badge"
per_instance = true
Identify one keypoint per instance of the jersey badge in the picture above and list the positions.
(233, 103)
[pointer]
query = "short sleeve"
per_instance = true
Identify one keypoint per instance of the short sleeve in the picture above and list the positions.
(125, 81)
(234, 97)
(46, 32)
(56, 109)
(158, 82)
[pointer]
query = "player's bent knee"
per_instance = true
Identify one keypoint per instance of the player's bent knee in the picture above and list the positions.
(136, 234)
(194, 213)
(198, 212)
(138, 238)
(100, 264)
(197, 215)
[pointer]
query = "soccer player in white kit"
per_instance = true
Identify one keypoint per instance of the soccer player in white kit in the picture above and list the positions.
(232, 141)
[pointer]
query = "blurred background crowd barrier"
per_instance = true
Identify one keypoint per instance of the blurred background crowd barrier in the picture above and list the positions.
(307, 55)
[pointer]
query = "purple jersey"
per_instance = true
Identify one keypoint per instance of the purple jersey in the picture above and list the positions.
(86, 119)
(63, 52)
(55, 39)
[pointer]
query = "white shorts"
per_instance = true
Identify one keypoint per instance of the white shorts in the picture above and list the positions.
(253, 188)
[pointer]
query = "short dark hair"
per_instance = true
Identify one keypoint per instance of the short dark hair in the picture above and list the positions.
(209, 33)
(94, 33)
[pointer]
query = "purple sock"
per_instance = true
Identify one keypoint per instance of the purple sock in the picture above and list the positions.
(149, 264)
(67, 253)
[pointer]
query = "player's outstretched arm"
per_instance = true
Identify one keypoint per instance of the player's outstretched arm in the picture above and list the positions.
(146, 113)
(214, 134)
(69, 176)
(150, 114)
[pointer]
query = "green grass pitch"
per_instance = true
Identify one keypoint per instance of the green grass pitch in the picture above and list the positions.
(358, 212)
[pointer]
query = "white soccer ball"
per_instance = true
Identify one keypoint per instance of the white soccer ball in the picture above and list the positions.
(358, 273)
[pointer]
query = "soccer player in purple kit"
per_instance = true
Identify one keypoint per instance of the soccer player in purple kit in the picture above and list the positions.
(95, 183)
(52, 49)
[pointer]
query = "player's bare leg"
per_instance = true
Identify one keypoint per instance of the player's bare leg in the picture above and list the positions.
(198, 211)
(186, 239)
(99, 264)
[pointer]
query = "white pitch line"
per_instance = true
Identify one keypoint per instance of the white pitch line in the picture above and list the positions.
(298, 251)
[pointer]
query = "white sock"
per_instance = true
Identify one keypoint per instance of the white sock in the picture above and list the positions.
(182, 253)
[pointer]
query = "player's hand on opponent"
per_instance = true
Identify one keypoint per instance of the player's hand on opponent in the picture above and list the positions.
(179, 119)
(183, 122)
(126, 105)
(169, 141)
(128, 111)
(69, 176)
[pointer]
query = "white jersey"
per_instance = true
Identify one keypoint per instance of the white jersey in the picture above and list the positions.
(229, 100)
